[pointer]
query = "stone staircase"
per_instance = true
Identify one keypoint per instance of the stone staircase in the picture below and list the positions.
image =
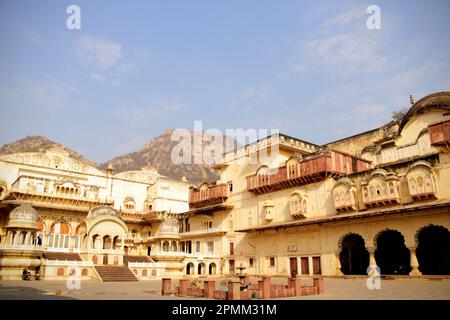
(115, 274)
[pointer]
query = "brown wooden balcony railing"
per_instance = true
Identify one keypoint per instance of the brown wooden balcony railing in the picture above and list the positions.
(310, 170)
(440, 133)
(208, 195)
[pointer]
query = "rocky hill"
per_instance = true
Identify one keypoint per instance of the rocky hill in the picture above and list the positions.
(156, 153)
(39, 144)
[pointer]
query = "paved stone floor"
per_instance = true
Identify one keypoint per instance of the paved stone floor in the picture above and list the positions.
(391, 289)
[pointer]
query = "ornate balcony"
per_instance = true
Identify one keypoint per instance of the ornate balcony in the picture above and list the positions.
(310, 170)
(207, 195)
(440, 133)
(208, 232)
(381, 189)
(54, 193)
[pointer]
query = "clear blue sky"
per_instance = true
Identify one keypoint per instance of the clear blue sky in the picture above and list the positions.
(308, 68)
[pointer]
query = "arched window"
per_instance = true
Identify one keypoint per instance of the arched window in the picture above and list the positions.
(297, 205)
(428, 185)
(60, 228)
(129, 203)
(365, 193)
(95, 241)
(391, 188)
(107, 242)
(385, 189)
(166, 246)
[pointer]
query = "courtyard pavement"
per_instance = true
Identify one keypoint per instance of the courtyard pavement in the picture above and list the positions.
(348, 289)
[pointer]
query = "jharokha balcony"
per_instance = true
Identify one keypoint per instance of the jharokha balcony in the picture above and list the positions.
(207, 195)
(298, 172)
(48, 192)
(440, 133)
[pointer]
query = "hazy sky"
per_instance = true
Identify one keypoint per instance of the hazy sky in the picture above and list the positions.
(311, 69)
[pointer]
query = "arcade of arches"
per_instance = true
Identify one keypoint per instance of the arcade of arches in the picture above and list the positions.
(430, 257)
(201, 269)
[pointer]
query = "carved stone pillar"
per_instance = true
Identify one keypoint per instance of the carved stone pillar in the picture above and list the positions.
(8, 237)
(372, 260)
(415, 272)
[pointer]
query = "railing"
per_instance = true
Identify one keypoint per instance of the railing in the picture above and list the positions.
(106, 251)
(211, 195)
(51, 188)
(205, 231)
(23, 247)
(200, 255)
(307, 171)
(146, 265)
(168, 254)
(166, 234)
(69, 263)
(62, 242)
(182, 254)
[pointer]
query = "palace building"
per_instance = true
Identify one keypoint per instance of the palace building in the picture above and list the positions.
(381, 197)
(59, 213)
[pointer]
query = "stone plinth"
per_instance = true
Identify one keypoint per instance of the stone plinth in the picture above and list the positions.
(264, 286)
(318, 283)
(234, 289)
(166, 286)
(209, 289)
(183, 287)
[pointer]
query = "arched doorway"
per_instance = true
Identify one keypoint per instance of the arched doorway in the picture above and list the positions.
(95, 260)
(95, 241)
(190, 268)
(212, 268)
(116, 243)
(107, 242)
(105, 259)
(201, 268)
(392, 256)
(433, 251)
(354, 256)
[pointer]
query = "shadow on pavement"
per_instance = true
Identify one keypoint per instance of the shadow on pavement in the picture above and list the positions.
(27, 293)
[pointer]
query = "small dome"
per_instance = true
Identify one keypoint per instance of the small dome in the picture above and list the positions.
(169, 225)
(23, 216)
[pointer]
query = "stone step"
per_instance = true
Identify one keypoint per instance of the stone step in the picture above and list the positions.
(115, 273)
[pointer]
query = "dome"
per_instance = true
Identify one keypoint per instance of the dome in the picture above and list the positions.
(23, 216)
(169, 226)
